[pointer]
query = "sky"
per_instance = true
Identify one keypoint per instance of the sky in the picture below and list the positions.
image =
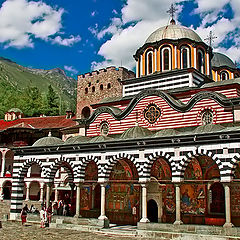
(84, 35)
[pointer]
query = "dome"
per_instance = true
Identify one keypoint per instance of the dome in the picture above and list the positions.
(209, 128)
(48, 141)
(166, 132)
(136, 132)
(220, 60)
(15, 110)
(100, 139)
(173, 32)
(77, 139)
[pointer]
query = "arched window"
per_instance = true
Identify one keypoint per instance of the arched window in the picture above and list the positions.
(86, 90)
(224, 75)
(166, 58)
(109, 86)
(101, 87)
(185, 57)
(200, 61)
(93, 89)
(149, 62)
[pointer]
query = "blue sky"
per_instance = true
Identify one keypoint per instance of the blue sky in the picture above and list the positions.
(82, 35)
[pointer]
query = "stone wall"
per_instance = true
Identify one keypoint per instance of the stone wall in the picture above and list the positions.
(97, 85)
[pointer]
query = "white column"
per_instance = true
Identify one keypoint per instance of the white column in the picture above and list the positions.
(103, 202)
(175, 50)
(178, 206)
(144, 218)
(48, 194)
(195, 57)
(137, 70)
(78, 198)
(41, 192)
(29, 172)
(155, 60)
(56, 193)
(3, 164)
(27, 191)
(1, 193)
(227, 206)
(141, 67)
(208, 65)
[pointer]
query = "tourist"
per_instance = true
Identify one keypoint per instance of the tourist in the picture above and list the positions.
(49, 214)
(42, 218)
(24, 214)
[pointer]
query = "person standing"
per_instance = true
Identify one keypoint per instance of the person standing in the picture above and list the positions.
(49, 214)
(42, 218)
(24, 214)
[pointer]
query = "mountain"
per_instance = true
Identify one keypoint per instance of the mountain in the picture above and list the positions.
(15, 79)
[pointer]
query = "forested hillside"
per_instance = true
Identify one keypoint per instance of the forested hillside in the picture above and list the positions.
(35, 91)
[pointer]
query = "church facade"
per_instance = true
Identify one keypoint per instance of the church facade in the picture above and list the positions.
(166, 149)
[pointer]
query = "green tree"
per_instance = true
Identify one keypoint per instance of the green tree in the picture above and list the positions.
(51, 102)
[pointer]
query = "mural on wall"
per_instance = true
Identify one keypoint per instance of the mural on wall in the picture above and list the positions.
(91, 172)
(85, 202)
(161, 170)
(235, 193)
(193, 199)
(122, 198)
(193, 195)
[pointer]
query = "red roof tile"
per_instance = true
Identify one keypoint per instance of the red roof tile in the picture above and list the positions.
(38, 123)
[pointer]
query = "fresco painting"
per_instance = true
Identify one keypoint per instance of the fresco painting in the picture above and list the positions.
(122, 197)
(161, 170)
(86, 198)
(91, 172)
(193, 199)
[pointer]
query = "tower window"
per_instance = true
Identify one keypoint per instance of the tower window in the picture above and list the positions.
(109, 86)
(224, 76)
(86, 90)
(150, 63)
(200, 61)
(185, 57)
(166, 60)
(101, 87)
(93, 89)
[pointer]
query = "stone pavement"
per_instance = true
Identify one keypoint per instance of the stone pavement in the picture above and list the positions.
(15, 231)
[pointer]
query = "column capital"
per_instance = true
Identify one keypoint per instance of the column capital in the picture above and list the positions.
(27, 184)
(78, 184)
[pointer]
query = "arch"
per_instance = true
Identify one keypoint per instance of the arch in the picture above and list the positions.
(191, 154)
(86, 111)
(166, 58)
(185, 52)
(224, 75)
(149, 61)
(152, 158)
(152, 211)
(7, 189)
(114, 159)
(84, 162)
(27, 164)
(69, 167)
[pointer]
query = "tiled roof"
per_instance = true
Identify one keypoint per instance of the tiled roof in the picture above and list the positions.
(38, 123)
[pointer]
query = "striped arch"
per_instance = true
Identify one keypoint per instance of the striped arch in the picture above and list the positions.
(72, 173)
(106, 170)
(146, 169)
(18, 183)
(26, 165)
(84, 162)
(198, 152)
(232, 165)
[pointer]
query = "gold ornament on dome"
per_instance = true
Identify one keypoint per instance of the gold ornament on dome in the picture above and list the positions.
(152, 113)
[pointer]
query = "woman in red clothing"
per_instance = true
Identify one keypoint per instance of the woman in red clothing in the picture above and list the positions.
(24, 214)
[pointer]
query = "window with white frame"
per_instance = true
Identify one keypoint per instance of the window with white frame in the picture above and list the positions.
(200, 61)
(185, 57)
(166, 59)
(149, 62)
(224, 75)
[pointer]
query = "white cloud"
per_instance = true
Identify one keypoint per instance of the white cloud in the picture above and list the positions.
(71, 69)
(21, 21)
(139, 18)
(68, 42)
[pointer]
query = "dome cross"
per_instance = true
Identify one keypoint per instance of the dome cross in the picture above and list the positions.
(210, 38)
(172, 11)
